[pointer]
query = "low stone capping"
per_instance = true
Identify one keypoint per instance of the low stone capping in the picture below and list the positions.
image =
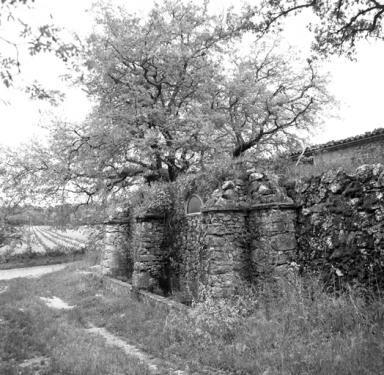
(254, 207)
(122, 288)
(149, 217)
(274, 205)
(193, 214)
(116, 221)
(225, 209)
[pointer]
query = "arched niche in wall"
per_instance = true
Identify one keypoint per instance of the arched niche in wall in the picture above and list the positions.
(193, 205)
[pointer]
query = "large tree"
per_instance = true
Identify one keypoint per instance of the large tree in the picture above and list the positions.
(169, 97)
(154, 79)
(173, 90)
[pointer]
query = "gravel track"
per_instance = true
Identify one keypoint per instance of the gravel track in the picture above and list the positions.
(30, 271)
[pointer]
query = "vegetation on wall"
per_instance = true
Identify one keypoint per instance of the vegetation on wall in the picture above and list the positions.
(340, 226)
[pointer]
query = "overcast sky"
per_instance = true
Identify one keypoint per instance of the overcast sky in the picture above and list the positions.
(356, 85)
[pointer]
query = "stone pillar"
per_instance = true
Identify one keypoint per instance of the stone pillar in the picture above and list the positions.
(272, 235)
(227, 249)
(193, 255)
(111, 253)
(148, 242)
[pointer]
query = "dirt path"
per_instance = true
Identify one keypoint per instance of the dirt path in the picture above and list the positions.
(30, 271)
(154, 364)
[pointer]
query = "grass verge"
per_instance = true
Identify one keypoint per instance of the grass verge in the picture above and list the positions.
(289, 326)
(29, 329)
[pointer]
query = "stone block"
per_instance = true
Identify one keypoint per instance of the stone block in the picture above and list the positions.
(264, 190)
(228, 185)
(255, 176)
(283, 242)
(229, 194)
(143, 280)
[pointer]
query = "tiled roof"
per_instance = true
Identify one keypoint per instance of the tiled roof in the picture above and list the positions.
(377, 133)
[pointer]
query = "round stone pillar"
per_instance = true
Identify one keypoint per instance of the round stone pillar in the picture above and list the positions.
(113, 254)
(272, 235)
(227, 249)
(148, 269)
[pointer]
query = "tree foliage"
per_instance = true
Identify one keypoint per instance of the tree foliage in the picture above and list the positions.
(174, 91)
(19, 35)
(342, 22)
(170, 99)
(267, 100)
(154, 80)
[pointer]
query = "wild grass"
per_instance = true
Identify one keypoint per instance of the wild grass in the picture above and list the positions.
(29, 329)
(289, 326)
(285, 326)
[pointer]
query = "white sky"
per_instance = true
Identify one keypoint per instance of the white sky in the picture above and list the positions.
(356, 85)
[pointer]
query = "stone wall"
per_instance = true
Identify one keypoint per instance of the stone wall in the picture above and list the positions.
(356, 154)
(236, 221)
(273, 237)
(115, 257)
(251, 227)
(148, 255)
(219, 248)
(227, 250)
(192, 245)
(341, 225)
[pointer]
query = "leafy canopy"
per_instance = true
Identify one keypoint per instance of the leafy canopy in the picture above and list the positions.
(170, 97)
(175, 91)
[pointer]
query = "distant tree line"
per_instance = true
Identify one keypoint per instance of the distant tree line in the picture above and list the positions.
(59, 215)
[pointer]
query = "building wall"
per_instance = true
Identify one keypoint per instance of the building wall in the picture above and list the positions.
(354, 155)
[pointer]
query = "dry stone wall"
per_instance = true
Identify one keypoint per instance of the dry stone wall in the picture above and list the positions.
(218, 249)
(341, 225)
(251, 227)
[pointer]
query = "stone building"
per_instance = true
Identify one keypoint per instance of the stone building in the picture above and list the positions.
(350, 153)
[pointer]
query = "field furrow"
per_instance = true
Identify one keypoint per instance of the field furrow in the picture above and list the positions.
(46, 242)
(36, 242)
(61, 237)
(57, 240)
